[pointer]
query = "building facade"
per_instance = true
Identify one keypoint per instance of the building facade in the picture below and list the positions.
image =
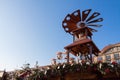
(109, 54)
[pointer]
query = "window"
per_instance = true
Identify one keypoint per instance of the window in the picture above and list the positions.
(118, 48)
(118, 61)
(108, 58)
(116, 56)
(99, 58)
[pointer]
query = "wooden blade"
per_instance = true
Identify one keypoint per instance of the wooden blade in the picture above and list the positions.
(68, 18)
(95, 14)
(68, 26)
(76, 16)
(85, 14)
(93, 30)
(94, 25)
(97, 20)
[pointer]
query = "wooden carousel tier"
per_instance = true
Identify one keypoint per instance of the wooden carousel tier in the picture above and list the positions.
(84, 30)
(83, 47)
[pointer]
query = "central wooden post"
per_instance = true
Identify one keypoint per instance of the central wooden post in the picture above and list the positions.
(90, 47)
(68, 55)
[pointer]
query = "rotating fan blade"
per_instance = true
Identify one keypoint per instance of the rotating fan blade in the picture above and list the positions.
(76, 16)
(68, 26)
(69, 19)
(77, 20)
(97, 20)
(85, 14)
(68, 23)
(93, 30)
(94, 25)
(95, 14)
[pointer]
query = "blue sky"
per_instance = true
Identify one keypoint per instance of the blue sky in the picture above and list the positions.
(31, 30)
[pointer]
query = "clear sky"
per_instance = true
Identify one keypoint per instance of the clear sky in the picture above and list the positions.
(31, 30)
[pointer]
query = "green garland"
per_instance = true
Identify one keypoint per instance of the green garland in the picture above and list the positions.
(61, 69)
(99, 68)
